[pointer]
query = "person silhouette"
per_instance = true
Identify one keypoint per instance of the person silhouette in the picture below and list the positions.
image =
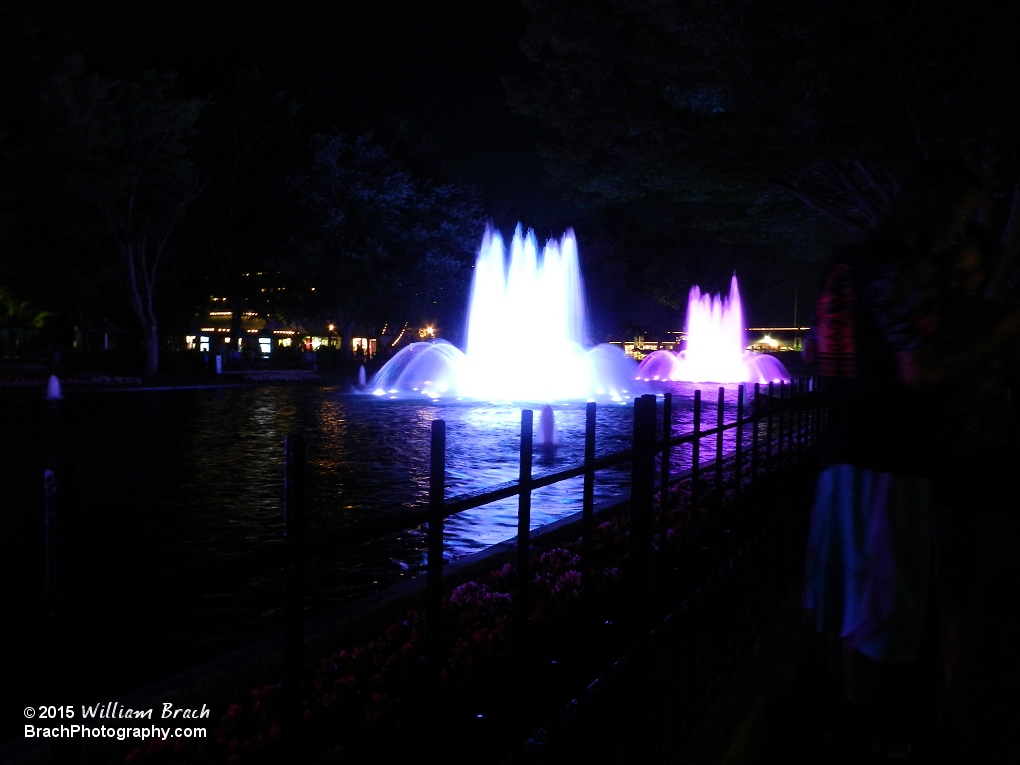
(869, 553)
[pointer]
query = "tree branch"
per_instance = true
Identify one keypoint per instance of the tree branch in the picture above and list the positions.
(824, 210)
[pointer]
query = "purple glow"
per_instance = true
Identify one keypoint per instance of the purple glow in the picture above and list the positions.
(53, 388)
(715, 349)
(546, 434)
(525, 335)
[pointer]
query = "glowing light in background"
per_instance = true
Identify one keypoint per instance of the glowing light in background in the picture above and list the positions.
(525, 334)
(715, 349)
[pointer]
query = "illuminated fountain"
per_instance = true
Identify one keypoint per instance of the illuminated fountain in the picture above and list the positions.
(715, 350)
(546, 434)
(53, 388)
(525, 335)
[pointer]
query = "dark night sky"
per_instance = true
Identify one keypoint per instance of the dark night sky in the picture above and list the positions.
(438, 66)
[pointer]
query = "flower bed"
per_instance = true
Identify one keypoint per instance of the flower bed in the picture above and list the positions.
(380, 696)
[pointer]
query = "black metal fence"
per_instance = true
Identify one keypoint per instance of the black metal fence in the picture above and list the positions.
(694, 606)
(693, 610)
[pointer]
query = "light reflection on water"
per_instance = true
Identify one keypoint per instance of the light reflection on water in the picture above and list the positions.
(169, 484)
(204, 468)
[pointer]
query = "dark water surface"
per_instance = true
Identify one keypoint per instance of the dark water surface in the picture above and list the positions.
(172, 488)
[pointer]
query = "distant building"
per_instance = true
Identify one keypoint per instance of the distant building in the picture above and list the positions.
(775, 339)
(759, 340)
(640, 346)
(211, 332)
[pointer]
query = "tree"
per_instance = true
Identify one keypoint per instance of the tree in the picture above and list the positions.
(152, 180)
(130, 176)
(443, 230)
(379, 239)
(19, 311)
(42, 254)
(242, 152)
(95, 175)
(747, 115)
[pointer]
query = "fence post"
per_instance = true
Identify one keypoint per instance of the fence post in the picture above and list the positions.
(821, 410)
(588, 498)
(293, 532)
(809, 420)
(799, 416)
(805, 418)
(755, 435)
(59, 550)
(641, 500)
(783, 435)
(664, 471)
(768, 441)
(817, 421)
(641, 491)
(719, 445)
(696, 451)
(738, 467)
(524, 522)
(795, 419)
(791, 421)
(62, 634)
(434, 606)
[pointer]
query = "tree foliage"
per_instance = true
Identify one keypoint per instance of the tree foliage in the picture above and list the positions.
(37, 82)
(772, 122)
(243, 151)
(132, 178)
(104, 176)
(19, 311)
(380, 242)
(99, 174)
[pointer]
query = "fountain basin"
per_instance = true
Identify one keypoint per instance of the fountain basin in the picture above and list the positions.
(525, 335)
(715, 349)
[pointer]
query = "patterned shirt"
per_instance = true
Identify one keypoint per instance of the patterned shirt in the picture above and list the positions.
(877, 301)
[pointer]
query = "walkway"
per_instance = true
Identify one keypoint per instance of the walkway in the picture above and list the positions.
(775, 708)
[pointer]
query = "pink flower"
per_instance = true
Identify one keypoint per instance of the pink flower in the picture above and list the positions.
(347, 681)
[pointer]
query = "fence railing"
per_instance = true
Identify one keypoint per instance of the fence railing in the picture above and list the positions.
(770, 433)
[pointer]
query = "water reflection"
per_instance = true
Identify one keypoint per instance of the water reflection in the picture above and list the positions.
(176, 487)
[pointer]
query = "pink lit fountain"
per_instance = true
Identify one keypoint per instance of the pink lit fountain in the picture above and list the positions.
(525, 339)
(715, 349)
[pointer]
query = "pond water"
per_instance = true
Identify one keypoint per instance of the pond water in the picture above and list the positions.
(171, 488)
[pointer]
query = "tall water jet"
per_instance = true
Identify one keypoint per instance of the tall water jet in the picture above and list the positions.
(53, 392)
(715, 350)
(525, 334)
